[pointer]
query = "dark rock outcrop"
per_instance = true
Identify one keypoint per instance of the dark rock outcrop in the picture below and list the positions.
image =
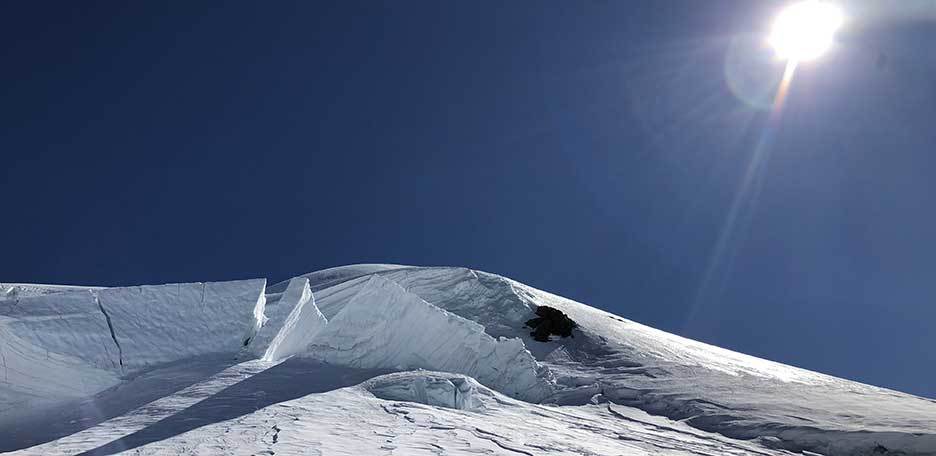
(550, 321)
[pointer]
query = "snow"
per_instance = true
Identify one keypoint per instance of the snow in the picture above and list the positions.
(291, 323)
(384, 326)
(23, 290)
(713, 388)
(164, 323)
(439, 389)
(74, 342)
(339, 411)
(734, 394)
(53, 349)
(377, 359)
(325, 278)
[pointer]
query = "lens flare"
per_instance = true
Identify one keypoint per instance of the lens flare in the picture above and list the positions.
(805, 30)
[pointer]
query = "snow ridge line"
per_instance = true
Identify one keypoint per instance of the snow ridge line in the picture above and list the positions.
(110, 326)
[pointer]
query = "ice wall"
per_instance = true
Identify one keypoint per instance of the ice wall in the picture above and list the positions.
(74, 343)
(291, 323)
(53, 347)
(431, 388)
(384, 326)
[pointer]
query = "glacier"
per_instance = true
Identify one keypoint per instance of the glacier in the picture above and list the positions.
(291, 322)
(379, 358)
(61, 343)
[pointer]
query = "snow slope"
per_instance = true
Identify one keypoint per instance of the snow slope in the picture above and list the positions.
(413, 360)
(347, 411)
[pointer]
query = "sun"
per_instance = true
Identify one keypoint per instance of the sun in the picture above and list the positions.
(805, 30)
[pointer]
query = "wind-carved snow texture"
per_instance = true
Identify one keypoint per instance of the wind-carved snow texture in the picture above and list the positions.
(165, 323)
(53, 348)
(25, 290)
(301, 407)
(591, 394)
(320, 280)
(73, 343)
(713, 389)
(291, 323)
(384, 326)
(733, 394)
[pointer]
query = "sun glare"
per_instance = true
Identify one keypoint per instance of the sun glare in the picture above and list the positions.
(805, 30)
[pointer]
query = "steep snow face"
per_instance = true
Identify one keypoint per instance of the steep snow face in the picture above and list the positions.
(291, 323)
(53, 349)
(74, 342)
(483, 298)
(734, 394)
(713, 389)
(487, 299)
(163, 323)
(384, 326)
(589, 394)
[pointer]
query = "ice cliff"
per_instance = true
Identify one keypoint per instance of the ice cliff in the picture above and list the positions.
(456, 339)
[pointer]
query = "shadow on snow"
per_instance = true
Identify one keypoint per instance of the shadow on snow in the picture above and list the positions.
(243, 393)
(292, 379)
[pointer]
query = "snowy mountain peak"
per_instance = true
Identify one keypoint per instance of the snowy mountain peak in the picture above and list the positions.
(438, 354)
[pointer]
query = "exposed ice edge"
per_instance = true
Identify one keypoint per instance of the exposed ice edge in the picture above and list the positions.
(712, 388)
(74, 342)
(441, 389)
(125, 330)
(385, 326)
(289, 324)
(454, 320)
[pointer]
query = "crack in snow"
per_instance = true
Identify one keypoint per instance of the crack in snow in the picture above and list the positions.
(488, 435)
(6, 373)
(110, 326)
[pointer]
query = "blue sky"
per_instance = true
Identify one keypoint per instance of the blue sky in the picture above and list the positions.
(592, 149)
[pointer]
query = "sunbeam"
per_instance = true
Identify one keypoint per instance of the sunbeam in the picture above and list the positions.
(743, 205)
